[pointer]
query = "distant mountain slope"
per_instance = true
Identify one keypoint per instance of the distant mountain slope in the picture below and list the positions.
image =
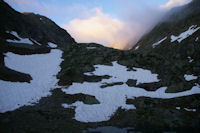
(175, 22)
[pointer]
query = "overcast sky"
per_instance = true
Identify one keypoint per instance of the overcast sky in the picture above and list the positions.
(115, 23)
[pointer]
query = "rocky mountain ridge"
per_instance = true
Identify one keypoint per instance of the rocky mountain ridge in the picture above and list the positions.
(33, 26)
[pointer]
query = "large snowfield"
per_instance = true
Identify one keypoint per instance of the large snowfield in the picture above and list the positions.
(113, 97)
(43, 68)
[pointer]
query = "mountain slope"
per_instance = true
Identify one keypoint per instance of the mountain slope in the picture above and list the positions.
(29, 25)
(26, 34)
(175, 22)
(172, 48)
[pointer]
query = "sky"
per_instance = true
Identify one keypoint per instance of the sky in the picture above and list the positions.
(113, 23)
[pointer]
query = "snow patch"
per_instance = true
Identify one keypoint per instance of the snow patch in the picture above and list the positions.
(113, 97)
(36, 42)
(41, 67)
(137, 47)
(52, 45)
(119, 73)
(178, 108)
(190, 59)
(185, 34)
(21, 40)
(190, 77)
(190, 110)
(196, 39)
(157, 43)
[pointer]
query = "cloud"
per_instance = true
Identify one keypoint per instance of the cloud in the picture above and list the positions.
(174, 3)
(140, 18)
(101, 28)
(123, 32)
(118, 33)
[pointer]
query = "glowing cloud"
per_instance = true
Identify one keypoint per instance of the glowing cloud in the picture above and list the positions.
(174, 3)
(101, 28)
(113, 32)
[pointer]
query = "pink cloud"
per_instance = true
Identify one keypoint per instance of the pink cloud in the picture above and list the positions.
(101, 28)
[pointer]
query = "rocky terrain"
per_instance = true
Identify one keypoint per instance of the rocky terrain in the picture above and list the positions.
(154, 87)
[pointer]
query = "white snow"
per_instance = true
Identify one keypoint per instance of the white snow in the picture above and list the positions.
(190, 110)
(52, 45)
(185, 34)
(190, 77)
(42, 68)
(187, 109)
(69, 106)
(197, 39)
(89, 48)
(113, 97)
(157, 43)
(22, 40)
(36, 42)
(137, 47)
(119, 73)
(190, 59)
